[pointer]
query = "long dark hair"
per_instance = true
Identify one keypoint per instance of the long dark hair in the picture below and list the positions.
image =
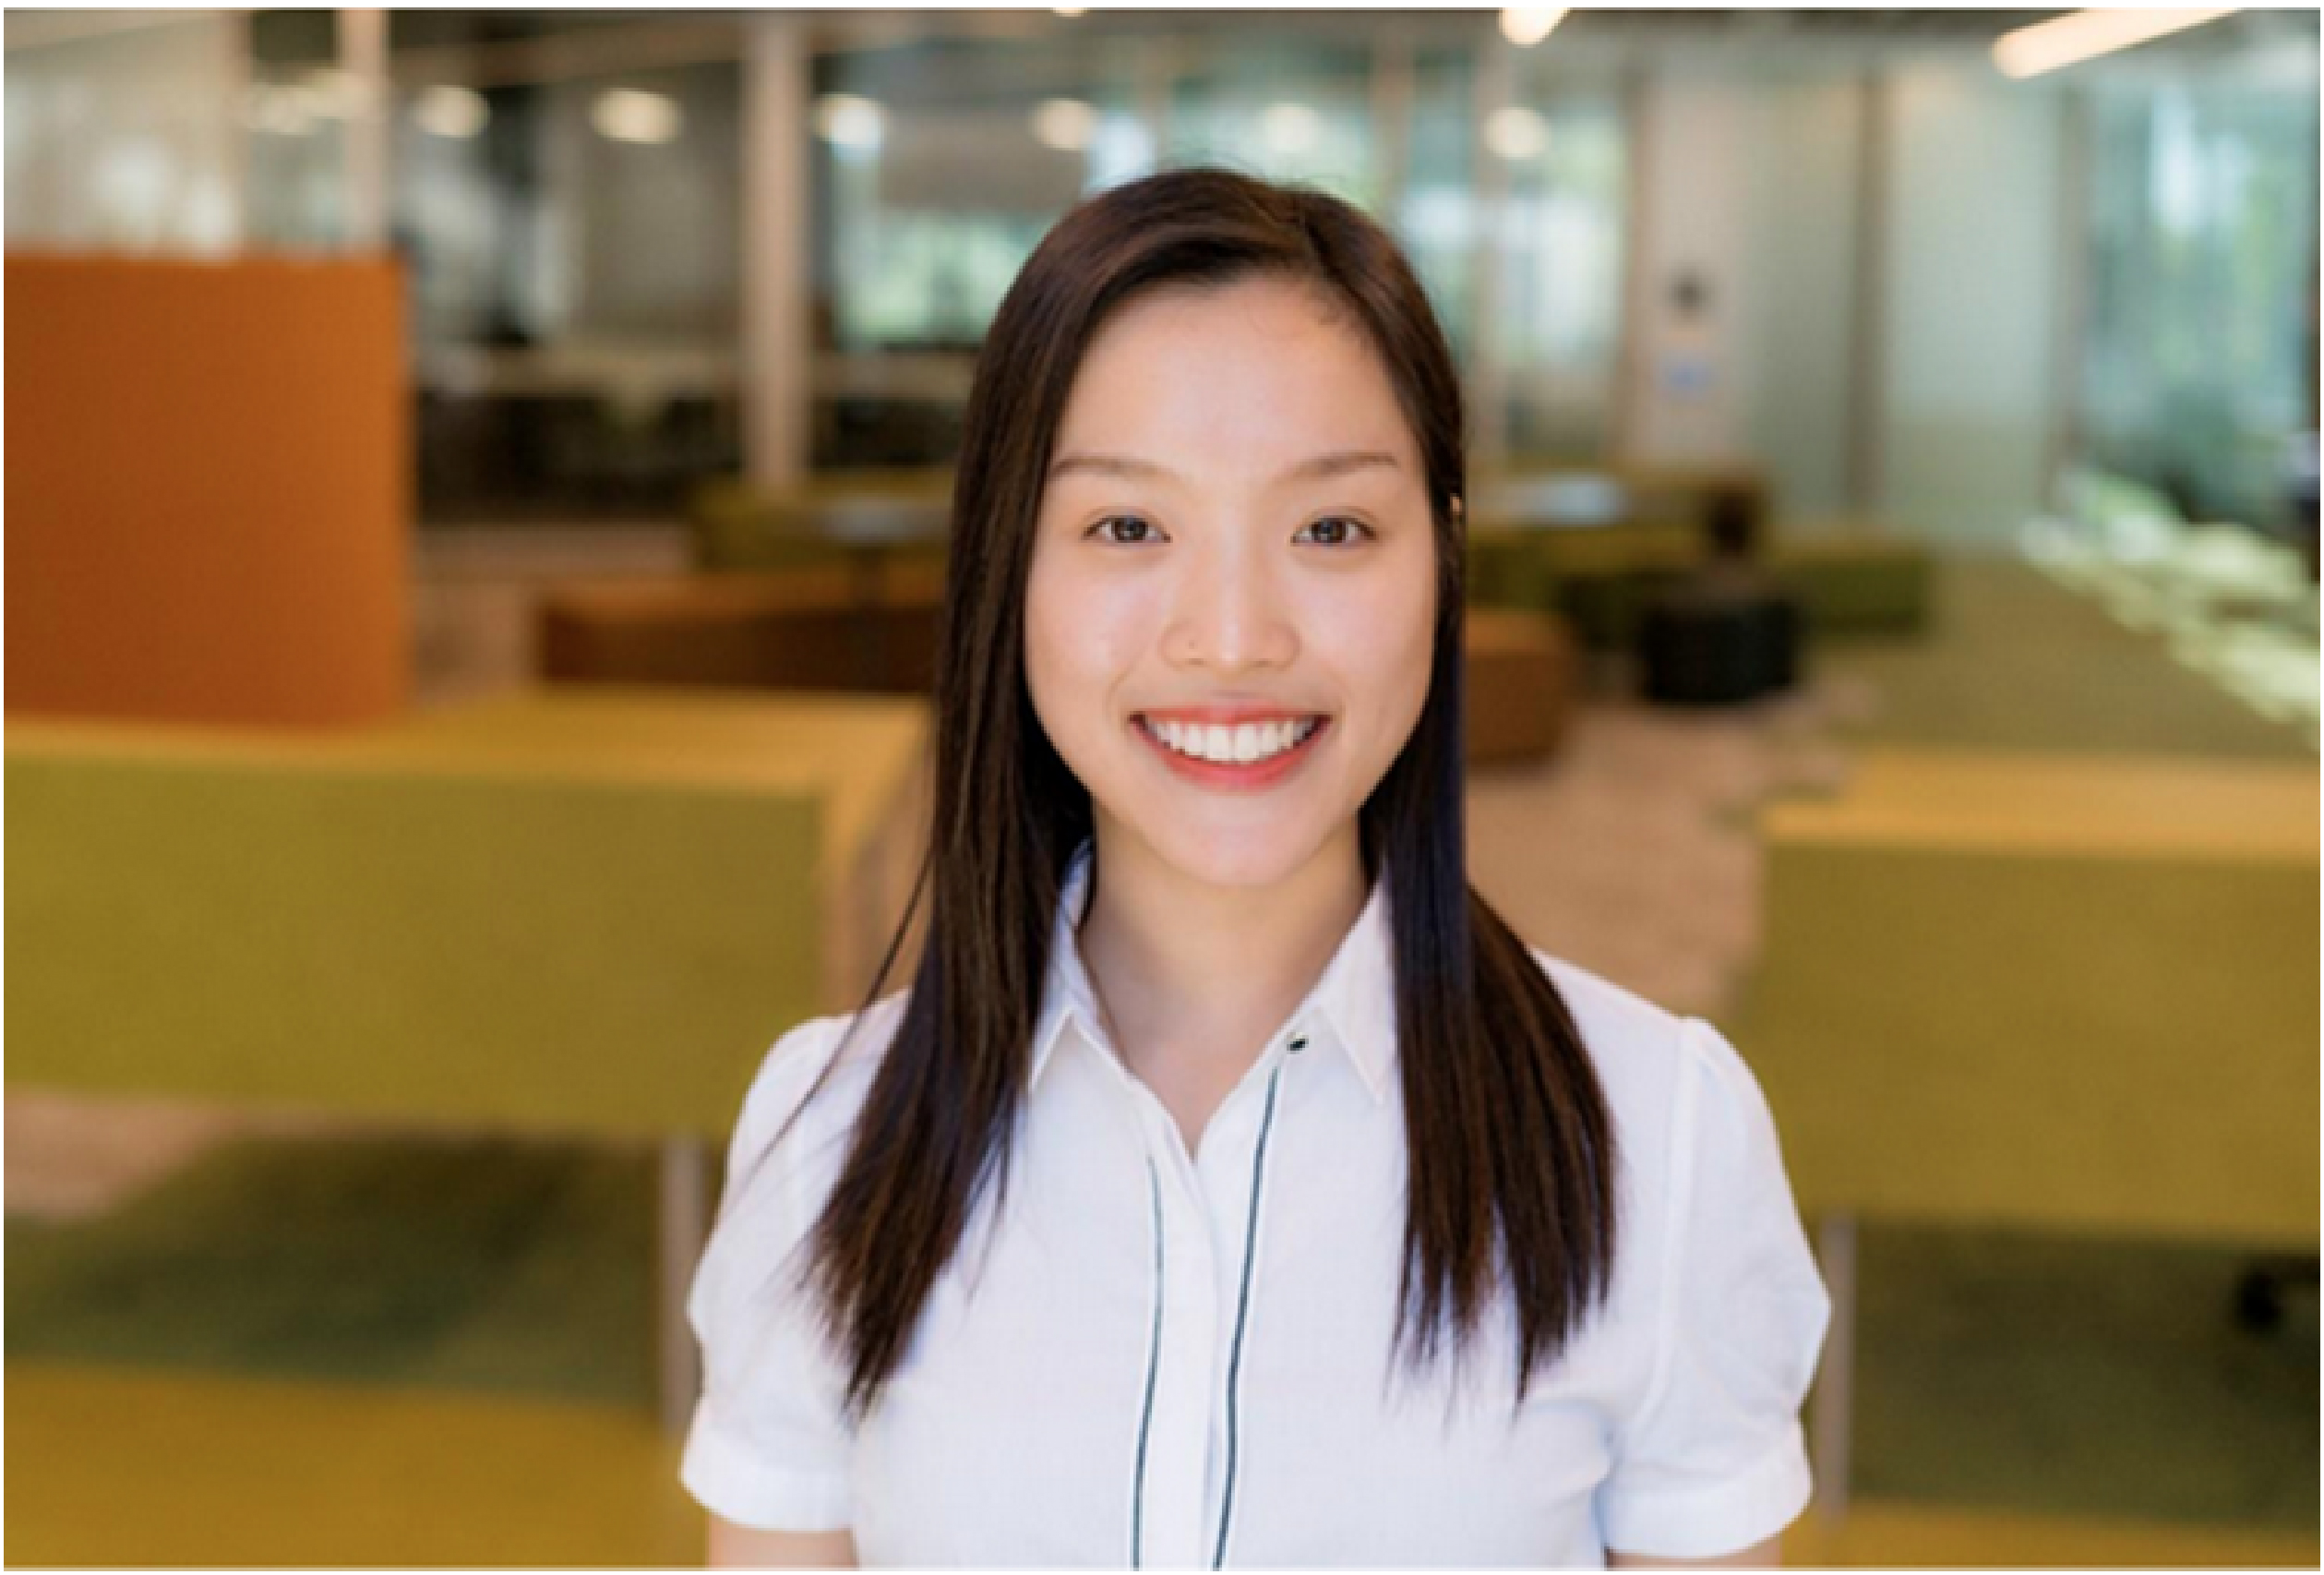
(1511, 1156)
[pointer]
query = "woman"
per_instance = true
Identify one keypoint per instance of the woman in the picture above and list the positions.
(1232, 1185)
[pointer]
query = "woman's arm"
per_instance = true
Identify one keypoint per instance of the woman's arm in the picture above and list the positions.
(746, 1547)
(1765, 1555)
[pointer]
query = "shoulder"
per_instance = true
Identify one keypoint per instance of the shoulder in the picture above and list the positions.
(1667, 1077)
(809, 1089)
(1639, 1048)
(856, 1040)
(1717, 1275)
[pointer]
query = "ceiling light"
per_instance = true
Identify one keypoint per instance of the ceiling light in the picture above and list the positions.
(447, 111)
(848, 121)
(1064, 124)
(1526, 25)
(1289, 128)
(625, 115)
(1516, 133)
(2083, 35)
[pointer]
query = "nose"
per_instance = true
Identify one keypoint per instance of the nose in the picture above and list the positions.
(1228, 614)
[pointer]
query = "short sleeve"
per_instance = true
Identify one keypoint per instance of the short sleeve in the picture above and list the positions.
(769, 1447)
(1715, 1460)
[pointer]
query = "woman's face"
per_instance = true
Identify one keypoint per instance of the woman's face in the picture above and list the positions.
(1235, 525)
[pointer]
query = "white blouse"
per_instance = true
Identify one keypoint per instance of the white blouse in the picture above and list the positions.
(1157, 1358)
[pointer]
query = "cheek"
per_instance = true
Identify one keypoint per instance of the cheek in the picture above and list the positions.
(1080, 637)
(1387, 640)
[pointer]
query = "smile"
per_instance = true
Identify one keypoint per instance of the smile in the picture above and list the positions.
(1247, 755)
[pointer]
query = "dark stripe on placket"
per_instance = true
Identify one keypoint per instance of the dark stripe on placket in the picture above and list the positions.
(1154, 1361)
(1242, 1314)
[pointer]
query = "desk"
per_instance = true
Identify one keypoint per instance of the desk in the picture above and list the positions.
(868, 520)
(573, 914)
(2071, 991)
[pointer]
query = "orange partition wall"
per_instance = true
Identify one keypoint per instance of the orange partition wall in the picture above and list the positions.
(208, 490)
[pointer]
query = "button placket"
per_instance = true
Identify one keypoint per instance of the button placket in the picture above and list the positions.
(1179, 1436)
(1208, 1217)
(1237, 1305)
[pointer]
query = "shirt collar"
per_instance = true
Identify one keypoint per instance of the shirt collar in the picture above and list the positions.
(1353, 1005)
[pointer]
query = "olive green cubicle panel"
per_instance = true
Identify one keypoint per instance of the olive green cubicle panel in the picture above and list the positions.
(2062, 995)
(277, 927)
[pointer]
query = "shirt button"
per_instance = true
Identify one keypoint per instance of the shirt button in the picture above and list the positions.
(1297, 1043)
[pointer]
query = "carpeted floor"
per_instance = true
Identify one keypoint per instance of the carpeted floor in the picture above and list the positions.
(481, 1266)
(2034, 1374)
(2015, 660)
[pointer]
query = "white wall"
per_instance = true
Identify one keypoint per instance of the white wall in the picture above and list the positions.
(1797, 389)
(1970, 288)
(1696, 147)
(1753, 180)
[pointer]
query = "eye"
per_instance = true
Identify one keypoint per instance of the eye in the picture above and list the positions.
(1142, 527)
(1345, 528)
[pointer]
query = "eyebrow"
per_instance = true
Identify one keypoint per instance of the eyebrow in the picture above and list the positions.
(1338, 462)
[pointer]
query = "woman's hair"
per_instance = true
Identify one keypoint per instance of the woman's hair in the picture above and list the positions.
(1511, 1156)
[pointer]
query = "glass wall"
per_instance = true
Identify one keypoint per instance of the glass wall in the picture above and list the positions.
(1286, 108)
(1436, 215)
(1559, 252)
(939, 165)
(573, 234)
(568, 191)
(942, 162)
(294, 115)
(124, 131)
(2198, 347)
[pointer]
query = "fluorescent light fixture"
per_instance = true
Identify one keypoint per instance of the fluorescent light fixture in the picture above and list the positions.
(447, 111)
(2084, 35)
(1516, 133)
(626, 114)
(847, 121)
(1526, 25)
(1065, 125)
(1289, 128)
(1069, 10)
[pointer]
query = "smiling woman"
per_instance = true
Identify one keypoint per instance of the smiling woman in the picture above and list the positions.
(1231, 1182)
(1229, 423)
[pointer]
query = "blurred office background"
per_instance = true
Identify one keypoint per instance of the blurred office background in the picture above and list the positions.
(470, 472)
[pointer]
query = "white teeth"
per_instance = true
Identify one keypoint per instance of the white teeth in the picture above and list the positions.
(1239, 745)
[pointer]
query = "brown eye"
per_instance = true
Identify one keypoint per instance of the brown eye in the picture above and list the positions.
(1133, 520)
(1346, 529)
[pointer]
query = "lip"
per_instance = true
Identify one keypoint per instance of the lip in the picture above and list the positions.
(1258, 774)
(1228, 713)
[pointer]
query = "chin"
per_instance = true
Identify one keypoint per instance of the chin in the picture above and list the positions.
(1258, 854)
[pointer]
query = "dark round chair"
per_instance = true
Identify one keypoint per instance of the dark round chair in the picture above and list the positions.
(1718, 640)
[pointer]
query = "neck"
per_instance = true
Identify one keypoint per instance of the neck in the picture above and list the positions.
(1191, 972)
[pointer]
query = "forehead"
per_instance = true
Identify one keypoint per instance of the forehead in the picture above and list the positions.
(1252, 374)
